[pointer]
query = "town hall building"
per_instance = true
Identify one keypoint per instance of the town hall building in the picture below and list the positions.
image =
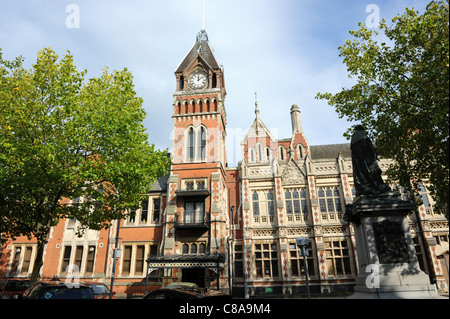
(231, 228)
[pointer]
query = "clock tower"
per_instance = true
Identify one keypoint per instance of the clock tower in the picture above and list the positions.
(198, 108)
(196, 221)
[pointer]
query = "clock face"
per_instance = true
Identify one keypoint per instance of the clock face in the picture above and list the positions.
(197, 80)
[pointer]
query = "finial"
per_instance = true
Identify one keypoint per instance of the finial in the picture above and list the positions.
(257, 115)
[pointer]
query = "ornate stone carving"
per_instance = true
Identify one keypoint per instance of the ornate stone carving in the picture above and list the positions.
(293, 174)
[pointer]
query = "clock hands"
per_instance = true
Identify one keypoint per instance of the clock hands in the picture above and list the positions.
(197, 80)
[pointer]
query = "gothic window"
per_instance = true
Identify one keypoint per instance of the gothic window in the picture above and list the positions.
(296, 204)
(337, 257)
(214, 81)
(181, 83)
(252, 155)
(196, 144)
(201, 143)
(255, 200)
(270, 206)
(282, 153)
(329, 202)
(423, 193)
(300, 151)
(190, 146)
(260, 152)
(298, 261)
(266, 260)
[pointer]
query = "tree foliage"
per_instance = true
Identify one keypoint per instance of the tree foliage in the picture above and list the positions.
(62, 136)
(401, 95)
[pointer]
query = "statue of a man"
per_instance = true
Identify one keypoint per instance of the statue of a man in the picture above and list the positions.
(366, 172)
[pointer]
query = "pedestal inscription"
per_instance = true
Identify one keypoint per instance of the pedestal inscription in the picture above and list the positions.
(390, 242)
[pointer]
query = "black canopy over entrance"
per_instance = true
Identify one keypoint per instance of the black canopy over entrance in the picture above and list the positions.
(185, 261)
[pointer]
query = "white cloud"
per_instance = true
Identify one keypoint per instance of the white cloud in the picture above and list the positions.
(286, 50)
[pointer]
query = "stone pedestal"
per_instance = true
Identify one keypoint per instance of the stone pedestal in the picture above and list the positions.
(387, 263)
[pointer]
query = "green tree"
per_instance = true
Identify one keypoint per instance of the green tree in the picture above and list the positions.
(64, 137)
(401, 95)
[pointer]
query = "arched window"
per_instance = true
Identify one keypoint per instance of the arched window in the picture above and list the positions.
(260, 153)
(196, 144)
(255, 200)
(267, 158)
(300, 151)
(282, 153)
(201, 144)
(252, 155)
(190, 146)
(270, 205)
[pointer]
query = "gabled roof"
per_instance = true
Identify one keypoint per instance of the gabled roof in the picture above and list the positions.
(258, 130)
(201, 48)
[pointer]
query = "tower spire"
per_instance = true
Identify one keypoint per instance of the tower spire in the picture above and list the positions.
(257, 114)
(203, 16)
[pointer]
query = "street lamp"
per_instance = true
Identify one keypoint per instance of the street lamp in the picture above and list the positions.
(302, 243)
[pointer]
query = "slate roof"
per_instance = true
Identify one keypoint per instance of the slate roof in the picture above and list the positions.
(205, 52)
(331, 151)
(160, 185)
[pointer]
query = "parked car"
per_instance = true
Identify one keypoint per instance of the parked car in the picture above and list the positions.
(184, 291)
(183, 284)
(14, 288)
(57, 290)
(100, 290)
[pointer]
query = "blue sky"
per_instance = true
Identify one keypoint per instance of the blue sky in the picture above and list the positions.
(285, 50)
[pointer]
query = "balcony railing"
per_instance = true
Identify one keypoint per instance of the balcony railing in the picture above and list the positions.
(188, 221)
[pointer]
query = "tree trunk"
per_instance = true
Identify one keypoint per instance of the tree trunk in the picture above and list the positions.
(38, 262)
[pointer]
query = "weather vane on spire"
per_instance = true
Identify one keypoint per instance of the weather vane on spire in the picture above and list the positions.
(202, 36)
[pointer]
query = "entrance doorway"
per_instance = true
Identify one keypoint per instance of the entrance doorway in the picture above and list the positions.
(195, 275)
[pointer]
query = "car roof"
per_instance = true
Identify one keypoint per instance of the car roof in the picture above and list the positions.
(59, 284)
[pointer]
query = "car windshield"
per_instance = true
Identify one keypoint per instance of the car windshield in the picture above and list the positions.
(17, 285)
(99, 289)
(66, 293)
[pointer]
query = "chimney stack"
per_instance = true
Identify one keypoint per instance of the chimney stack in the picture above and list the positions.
(295, 119)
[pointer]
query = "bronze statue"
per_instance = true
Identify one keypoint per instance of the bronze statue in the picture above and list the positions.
(366, 172)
